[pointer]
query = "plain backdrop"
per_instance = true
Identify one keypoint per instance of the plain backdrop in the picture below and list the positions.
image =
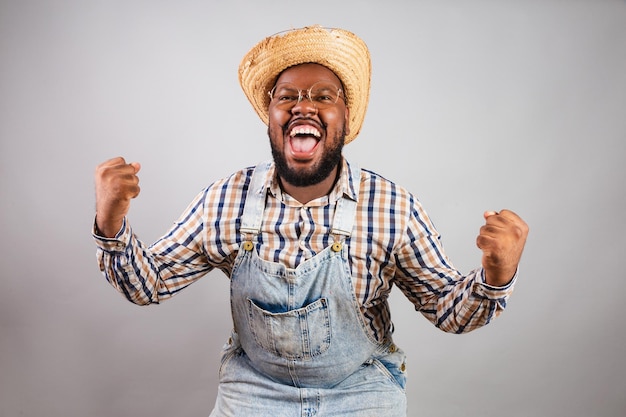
(475, 105)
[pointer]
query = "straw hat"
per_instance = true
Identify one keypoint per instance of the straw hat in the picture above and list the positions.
(339, 50)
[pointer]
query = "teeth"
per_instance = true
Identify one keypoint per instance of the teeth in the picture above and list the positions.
(305, 130)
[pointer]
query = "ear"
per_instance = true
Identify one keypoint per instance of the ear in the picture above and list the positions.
(347, 121)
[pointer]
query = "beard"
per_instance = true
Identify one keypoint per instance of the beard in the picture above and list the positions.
(319, 172)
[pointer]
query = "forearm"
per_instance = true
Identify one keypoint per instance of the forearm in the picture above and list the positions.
(123, 261)
(452, 301)
(467, 305)
(144, 275)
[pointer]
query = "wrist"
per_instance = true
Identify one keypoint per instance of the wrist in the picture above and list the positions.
(499, 278)
(108, 229)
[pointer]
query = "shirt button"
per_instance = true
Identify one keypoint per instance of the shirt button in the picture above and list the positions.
(302, 245)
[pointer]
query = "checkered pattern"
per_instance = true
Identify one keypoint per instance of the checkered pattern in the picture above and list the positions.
(393, 243)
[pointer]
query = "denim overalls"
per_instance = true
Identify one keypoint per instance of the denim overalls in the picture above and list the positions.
(300, 347)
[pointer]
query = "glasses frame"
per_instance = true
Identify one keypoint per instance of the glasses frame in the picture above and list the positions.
(302, 96)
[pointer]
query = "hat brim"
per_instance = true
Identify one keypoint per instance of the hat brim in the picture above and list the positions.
(339, 50)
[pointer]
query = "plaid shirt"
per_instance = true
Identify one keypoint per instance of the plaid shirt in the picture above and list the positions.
(393, 243)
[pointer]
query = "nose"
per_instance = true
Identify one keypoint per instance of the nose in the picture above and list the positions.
(304, 106)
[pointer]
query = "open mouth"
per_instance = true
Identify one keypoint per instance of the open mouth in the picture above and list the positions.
(303, 139)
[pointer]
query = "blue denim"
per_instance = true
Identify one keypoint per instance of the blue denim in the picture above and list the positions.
(300, 346)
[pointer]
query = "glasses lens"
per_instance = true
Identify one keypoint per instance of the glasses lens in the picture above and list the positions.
(324, 94)
(285, 95)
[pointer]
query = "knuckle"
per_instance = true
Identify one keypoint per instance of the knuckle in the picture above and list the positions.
(525, 228)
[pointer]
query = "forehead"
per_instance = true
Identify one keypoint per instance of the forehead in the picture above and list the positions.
(304, 75)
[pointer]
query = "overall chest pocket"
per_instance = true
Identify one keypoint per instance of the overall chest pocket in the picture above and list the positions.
(295, 334)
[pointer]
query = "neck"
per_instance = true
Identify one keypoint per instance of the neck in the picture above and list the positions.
(311, 192)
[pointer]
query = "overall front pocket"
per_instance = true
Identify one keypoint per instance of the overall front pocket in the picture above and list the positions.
(295, 334)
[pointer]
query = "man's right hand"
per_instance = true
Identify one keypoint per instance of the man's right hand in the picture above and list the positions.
(116, 184)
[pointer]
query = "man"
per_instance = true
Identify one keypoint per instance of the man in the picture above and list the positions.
(312, 245)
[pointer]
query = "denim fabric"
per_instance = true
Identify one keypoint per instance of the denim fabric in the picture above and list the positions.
(300, 346)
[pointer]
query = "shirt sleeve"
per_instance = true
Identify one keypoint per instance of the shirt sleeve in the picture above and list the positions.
(452, 301)
(146, 275)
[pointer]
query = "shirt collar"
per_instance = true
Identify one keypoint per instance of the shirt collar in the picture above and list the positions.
(343, 187)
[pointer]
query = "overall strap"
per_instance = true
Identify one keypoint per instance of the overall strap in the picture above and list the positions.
(345, 211)
(255, 200)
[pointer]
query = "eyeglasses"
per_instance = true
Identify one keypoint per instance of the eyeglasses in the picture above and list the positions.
(322, 94)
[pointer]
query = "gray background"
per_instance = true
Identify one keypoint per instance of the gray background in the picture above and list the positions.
(475, 105)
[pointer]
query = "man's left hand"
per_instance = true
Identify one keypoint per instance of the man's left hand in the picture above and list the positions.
(502, 240)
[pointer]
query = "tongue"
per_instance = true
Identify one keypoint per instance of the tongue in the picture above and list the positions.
(303, 143)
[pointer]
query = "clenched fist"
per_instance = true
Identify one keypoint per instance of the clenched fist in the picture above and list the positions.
(116, 184)
(502, 241)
